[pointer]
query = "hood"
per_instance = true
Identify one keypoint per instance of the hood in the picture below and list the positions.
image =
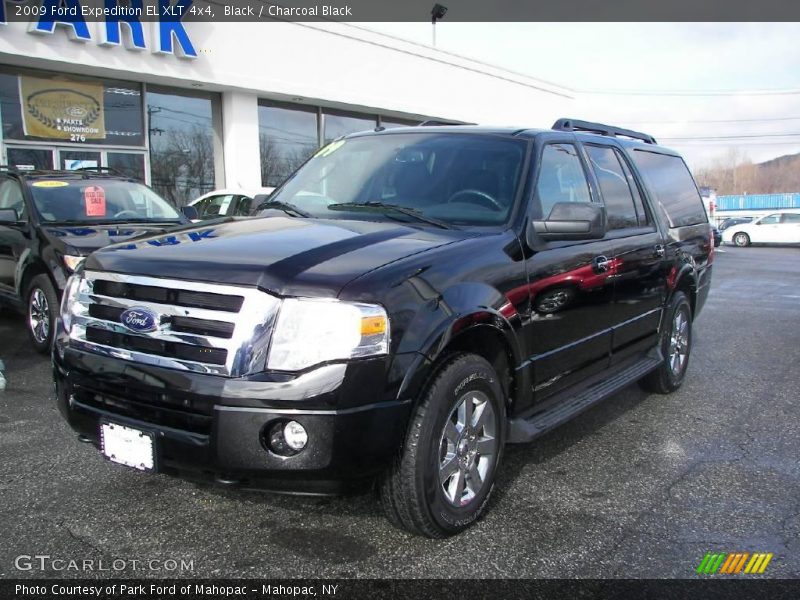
(83, 240)
(287, 256)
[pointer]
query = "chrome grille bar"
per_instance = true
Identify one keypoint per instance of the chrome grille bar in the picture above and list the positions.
(246, 332)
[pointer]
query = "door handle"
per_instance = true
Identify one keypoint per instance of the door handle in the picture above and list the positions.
(601, 264)
(659, 250)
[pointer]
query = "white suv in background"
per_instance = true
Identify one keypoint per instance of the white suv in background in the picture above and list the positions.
(230, 202)
(781, 227)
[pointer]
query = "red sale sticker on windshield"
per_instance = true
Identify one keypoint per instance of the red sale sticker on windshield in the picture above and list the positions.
(95, 199)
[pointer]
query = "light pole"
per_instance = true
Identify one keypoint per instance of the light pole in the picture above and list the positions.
(437, 12)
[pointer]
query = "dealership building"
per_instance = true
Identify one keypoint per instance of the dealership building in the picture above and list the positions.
(191, 107)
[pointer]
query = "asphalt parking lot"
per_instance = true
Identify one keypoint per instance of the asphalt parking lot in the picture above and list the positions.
(641, 486)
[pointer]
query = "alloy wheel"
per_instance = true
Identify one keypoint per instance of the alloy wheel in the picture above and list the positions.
(679, 342)
(467, 448)
(39, 315)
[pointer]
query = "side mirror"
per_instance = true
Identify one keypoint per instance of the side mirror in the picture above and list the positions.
(258, 201)
(570, 221)
(190, 212)
(8, 215)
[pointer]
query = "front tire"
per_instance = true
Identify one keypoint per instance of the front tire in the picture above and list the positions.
(676, 345)
(41, 311)
(442, 480)
(741, 239)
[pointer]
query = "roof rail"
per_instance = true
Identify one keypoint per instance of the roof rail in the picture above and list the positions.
(599, 128)
(109, 170)
(434, 123)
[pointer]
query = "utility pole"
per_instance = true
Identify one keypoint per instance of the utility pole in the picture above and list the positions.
(437, 13)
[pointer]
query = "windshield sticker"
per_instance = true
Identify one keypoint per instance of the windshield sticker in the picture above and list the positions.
(95, 198)
(49, 184)
(330, 148)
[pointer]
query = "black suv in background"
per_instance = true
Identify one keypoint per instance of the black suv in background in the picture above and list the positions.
(415, 299)
(50, 221)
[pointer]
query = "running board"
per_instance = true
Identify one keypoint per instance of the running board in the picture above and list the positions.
(523, 430)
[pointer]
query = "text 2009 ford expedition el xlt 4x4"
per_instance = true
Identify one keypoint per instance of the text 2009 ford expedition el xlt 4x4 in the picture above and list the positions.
(412, 300)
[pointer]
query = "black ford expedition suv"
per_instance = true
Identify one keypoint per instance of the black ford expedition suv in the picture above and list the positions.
(415, 299)
(50, 221)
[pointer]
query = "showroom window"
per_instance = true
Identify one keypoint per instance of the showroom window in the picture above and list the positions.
(287, 136)
(181, 135)
(36, 106)
(340, 123)
(290, 133)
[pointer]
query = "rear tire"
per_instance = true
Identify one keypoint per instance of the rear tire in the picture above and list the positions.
(676, 346)
(41, 308)
(741, 239)
(442, 480)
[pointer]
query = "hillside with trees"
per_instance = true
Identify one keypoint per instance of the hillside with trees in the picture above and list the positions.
(737, 174)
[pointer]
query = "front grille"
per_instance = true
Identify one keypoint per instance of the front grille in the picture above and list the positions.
(149, 408)
(211, 356)
(163, 295)
(221, 329)
(207, 328)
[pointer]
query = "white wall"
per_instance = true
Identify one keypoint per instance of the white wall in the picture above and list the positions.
(332, 64)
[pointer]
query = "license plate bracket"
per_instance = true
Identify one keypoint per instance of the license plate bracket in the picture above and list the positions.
(128, 446)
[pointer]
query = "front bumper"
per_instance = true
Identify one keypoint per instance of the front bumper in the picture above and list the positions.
(209, 428)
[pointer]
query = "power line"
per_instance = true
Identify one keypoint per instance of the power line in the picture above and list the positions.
(692, 93)
(733, 137)
(753, 120)
(795, 143)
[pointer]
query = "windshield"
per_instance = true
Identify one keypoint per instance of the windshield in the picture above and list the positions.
(454, 178)
(98, 201)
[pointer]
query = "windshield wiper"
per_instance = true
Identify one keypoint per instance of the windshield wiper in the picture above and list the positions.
(289, 209)
(384, 207)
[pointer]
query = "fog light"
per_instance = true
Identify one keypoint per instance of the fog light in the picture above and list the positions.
(286, 438)
(296, 436)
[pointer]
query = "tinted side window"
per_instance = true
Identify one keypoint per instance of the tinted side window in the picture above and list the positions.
(791, 218)
(770, 220)
(11, 197)
(673, 187)
(561, 178)
(614, 186)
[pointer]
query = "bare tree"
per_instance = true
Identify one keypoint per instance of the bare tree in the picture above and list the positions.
(735, 173)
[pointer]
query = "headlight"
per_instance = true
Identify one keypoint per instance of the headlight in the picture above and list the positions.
(73, 262)
(309, 332)
(68, 301)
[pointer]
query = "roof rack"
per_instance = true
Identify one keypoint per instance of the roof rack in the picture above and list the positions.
(109, 170)
(599, 128)
(434, 123)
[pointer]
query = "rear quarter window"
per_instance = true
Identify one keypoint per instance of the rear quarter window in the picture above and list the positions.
(675, 192)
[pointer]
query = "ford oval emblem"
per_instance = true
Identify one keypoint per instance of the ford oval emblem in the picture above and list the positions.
(138, 319)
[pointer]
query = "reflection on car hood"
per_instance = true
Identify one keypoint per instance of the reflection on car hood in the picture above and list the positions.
(287, 256)
(85, 239)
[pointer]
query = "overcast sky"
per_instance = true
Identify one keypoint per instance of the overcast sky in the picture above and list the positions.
(672, 80)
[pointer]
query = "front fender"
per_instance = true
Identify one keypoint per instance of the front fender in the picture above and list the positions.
(458, 308)
(439, 322)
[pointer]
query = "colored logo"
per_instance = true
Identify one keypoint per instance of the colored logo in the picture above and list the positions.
(721, 563)
(140, 320)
